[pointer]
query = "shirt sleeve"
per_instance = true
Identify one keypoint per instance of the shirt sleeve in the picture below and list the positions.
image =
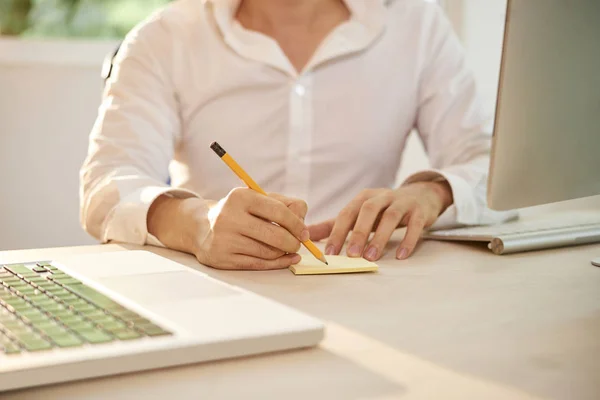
(132, 142)
(455, 127)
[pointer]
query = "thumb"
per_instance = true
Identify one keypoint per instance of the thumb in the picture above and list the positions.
(321, 230)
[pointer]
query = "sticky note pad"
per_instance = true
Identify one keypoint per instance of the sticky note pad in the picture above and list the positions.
(337, 265)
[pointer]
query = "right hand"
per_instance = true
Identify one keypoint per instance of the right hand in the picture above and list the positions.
(238, 232)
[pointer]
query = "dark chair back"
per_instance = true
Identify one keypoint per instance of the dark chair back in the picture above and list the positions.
(107, 66)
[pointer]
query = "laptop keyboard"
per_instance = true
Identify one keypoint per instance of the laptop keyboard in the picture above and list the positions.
(42, 308)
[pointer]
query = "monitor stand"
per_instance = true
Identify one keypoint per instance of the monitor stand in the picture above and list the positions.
(596, 262)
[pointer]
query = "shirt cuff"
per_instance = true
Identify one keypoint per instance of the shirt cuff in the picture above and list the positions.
(127, 221)
(464, 209)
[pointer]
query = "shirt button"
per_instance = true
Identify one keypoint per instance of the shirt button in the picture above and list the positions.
(300, 90)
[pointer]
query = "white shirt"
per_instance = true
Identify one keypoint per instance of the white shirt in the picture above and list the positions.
(191, 74)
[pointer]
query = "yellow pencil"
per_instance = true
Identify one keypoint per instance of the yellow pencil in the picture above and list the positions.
(239, 171)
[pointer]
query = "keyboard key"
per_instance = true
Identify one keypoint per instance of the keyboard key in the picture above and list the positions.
(71, 318)
(153, 330)
(13, 324)
(44, 302)
(94, 335)
(11, 349)
(21, 306)
(80, 325)
(57, 291)
(5, 274)
(67, 281)
(28, 291)
(140, 321)
(66, 340)
(84, 308)
(63, 311)
(37, 279)
(67, 297)
(126, 334)
(52, 330)
(33, 342)
(33, 315)
(19, 269)
(53, 307)
(11, 281)
(44, 264)
(113, 325)
(97, 318)
(126, 315)
(38, 297)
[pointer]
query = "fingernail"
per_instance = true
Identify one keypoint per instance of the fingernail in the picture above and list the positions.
(402, 254)
(354, 251)
(296, 259)
(371, 253)
(305, 235)
(330, 250)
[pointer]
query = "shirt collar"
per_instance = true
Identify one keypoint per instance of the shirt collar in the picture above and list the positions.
(368, 13)
(366, 23)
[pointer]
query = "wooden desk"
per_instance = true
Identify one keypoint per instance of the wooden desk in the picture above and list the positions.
(453, 322)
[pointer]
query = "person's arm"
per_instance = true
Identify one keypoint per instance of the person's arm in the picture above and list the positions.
(132, 142)
(455, 126)
(124, 191)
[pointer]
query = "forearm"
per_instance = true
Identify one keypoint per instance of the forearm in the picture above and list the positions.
(179, 224)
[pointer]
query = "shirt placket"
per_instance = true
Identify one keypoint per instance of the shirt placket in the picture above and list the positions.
(300, 132)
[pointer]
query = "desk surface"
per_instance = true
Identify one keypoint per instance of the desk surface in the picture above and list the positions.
(454, 321)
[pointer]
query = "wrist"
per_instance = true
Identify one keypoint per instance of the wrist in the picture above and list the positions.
(443, 190)
(178, 223)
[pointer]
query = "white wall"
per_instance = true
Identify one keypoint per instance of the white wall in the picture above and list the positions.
(480, 26)
(47, 108)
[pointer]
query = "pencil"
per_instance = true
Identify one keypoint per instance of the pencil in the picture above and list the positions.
(239, 171)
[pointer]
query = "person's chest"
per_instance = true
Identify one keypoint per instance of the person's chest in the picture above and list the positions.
(344, 119)
(356, 108)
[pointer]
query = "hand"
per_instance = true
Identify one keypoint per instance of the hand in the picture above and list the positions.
(416, 206)
(238, 232)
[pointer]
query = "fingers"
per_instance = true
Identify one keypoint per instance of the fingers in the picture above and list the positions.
(273, 210)
(296, 206)
(342, 226)
(390, 220)
(269, 234)
(415, 226)
(244, 262)
(321, 230)
(253, 248)
(367, 217)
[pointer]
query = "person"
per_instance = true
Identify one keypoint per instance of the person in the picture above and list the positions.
(315, 98)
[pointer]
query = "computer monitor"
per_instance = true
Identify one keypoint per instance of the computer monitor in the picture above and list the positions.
(546, 143)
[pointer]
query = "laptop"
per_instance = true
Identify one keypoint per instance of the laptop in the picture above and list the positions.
(112, 313)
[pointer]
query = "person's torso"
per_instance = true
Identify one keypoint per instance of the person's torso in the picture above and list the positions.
(321, 135)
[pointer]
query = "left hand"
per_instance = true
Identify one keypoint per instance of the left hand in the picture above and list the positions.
(416, 206)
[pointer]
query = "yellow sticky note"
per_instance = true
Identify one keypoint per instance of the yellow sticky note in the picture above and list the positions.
(337, 265)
